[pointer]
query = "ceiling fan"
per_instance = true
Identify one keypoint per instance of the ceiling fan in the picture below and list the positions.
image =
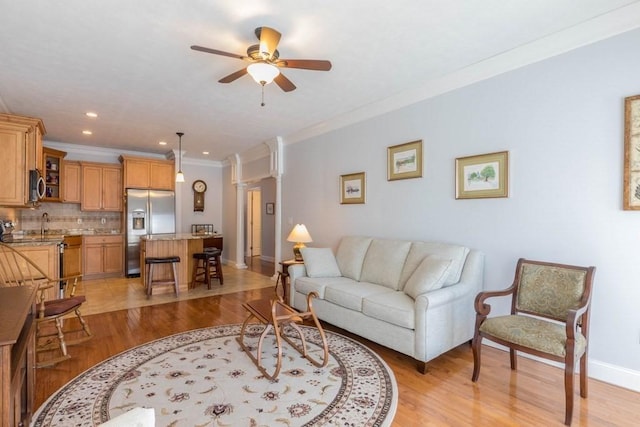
(265, 61)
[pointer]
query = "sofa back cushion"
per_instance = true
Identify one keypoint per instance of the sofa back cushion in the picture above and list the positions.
(420, 250)
(384, 262)
(350, 255)
(320, 262)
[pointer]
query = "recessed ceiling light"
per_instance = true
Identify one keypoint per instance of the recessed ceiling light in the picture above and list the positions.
(206, 153)
(162, 143)
(87, 132)
(91, 114)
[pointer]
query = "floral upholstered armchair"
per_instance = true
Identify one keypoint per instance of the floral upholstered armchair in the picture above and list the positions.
(549, 319)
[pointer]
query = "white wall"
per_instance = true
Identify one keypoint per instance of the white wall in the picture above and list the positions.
(212, 214)
(562, 122)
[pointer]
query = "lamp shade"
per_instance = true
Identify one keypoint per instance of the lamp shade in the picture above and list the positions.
(299, 234)
(262, 72)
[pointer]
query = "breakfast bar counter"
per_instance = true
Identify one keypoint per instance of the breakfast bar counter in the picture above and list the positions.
(183, 245)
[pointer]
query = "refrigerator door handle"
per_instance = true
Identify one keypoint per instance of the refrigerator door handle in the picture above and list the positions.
(150, 215)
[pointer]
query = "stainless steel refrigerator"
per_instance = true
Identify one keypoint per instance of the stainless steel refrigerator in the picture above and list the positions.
(148, 212)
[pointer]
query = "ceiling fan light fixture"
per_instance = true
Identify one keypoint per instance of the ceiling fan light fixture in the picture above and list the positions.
(262, 72)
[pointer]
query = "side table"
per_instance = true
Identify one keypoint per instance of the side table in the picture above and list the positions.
(283, 278)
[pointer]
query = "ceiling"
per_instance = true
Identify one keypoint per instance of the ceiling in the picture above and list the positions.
(130, 62)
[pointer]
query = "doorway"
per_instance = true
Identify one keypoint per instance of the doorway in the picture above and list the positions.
(254, 223)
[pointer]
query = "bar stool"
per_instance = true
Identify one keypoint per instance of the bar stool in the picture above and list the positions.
(150, 262)
(207, 266)
(215, 264)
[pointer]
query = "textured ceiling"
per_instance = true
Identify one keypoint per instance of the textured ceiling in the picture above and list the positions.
(130, 62)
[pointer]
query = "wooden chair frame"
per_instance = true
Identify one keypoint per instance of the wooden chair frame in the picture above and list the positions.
(17, 270)
(576, 321)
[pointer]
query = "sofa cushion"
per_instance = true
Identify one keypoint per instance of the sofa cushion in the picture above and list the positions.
(351, 296)
(384, 262)
(430, 275)
(350, 255)
(393, 307)
(419, 250)
(304, 284)
(320, 262)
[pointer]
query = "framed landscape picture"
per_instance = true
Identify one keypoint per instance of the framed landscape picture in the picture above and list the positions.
(631, 196)
(482, 176)
(404, 161)
(352, 188)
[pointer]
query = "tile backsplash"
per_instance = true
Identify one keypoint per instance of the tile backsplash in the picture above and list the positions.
(66, 216)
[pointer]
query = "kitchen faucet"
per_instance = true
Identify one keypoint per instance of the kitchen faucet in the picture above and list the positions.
(43, 227)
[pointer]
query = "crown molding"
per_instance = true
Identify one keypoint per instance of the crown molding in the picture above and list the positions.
(610, 24)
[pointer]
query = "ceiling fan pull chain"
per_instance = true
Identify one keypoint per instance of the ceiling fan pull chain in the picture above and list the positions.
(262, 103)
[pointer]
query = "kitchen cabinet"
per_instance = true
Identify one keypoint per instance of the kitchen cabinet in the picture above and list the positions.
(71, 182)
(148, 174)
(101, 187)
(17, 355)
(72, 264)
(21, 142)
(103, 256)
(53, 174)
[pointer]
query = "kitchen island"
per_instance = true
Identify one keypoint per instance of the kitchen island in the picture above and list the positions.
(183, 245)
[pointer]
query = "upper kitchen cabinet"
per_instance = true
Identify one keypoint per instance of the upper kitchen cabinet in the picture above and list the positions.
(53, 168)
(21, 142)
(148, 174)
(71, 182)
(101, 187)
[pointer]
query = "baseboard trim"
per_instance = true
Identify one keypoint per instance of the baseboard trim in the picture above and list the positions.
(601, 371)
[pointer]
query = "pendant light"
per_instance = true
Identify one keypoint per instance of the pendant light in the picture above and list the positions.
(180, 175)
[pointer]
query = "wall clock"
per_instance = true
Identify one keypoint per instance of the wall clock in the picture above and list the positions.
(199, 187)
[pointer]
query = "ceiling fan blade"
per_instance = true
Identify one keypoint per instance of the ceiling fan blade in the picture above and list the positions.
(284, 83)
(305, 64)
(269, 39)
(217, 52)
(233, 76)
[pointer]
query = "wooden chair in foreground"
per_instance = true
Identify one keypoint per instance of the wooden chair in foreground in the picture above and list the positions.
(18, 270)
(549, 319)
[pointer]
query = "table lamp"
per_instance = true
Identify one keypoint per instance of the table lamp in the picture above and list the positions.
(299, 235)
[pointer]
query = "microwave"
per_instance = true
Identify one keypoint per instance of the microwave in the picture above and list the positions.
(37, 186)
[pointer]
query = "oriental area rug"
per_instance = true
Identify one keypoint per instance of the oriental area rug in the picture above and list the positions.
(203, 378)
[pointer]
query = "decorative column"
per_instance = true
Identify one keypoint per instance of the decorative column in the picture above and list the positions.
(240, 212)
(276, 170)
(236, 179)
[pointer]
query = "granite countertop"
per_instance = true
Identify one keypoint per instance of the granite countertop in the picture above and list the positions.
(177, 236)
(37, 241)
(56, 236)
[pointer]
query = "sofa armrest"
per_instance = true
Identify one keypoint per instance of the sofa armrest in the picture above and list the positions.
(442, 296)
(295, 271)
(444, 318)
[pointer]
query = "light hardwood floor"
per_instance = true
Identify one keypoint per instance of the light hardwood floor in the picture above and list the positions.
(445, 396)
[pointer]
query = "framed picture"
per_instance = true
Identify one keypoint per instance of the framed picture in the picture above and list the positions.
(352, 188)
(270, 208)
(404, 161)
(482, 176)
(631, 196)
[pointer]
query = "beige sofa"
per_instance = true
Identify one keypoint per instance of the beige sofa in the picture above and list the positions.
(414, 297)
